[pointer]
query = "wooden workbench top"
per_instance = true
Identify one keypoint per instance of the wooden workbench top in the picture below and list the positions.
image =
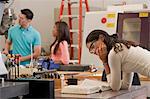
(90, 75)
(136, 92)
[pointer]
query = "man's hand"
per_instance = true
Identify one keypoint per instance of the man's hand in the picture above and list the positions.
(103, 52)
(5, 52)
(7, 47)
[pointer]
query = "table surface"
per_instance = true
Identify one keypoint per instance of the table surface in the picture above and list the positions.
(10, 84)
(134, 92)
(13, 89)
(89, 75)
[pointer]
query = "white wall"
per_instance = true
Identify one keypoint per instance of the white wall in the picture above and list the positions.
(44, 13)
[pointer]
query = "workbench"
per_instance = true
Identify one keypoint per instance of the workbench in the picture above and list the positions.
(13, 89)
(135, 92)
(88, 75)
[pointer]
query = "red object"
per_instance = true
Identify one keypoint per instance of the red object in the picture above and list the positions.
(103, 20)
(61, 9)
(87, 6)
(79, 24)
(70, 26)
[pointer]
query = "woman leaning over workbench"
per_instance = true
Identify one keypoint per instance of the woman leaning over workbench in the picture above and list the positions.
(118, 56)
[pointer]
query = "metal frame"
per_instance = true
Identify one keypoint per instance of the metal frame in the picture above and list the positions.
(145, 27)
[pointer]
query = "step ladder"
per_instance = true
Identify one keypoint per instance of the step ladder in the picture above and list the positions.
(79, 30)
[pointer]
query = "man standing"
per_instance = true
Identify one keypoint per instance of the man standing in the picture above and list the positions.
(23, 38)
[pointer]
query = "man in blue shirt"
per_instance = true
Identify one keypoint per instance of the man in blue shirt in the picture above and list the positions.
(24, 38)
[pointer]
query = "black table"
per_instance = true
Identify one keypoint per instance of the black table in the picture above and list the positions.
(13, 89)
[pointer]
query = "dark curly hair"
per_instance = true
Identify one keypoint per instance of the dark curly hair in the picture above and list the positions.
(110, 40)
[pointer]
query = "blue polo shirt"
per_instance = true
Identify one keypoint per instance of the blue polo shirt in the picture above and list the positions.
(22, 39)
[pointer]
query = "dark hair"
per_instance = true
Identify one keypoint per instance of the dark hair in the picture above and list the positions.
(110, 40)
(63, 34)
(28, 13)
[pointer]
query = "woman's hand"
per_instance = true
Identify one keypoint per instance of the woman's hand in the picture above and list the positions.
(58, 62)
(103, 56)
(107, 68)
(103, 52)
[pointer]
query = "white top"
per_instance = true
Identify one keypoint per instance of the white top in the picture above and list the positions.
(134, 59)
